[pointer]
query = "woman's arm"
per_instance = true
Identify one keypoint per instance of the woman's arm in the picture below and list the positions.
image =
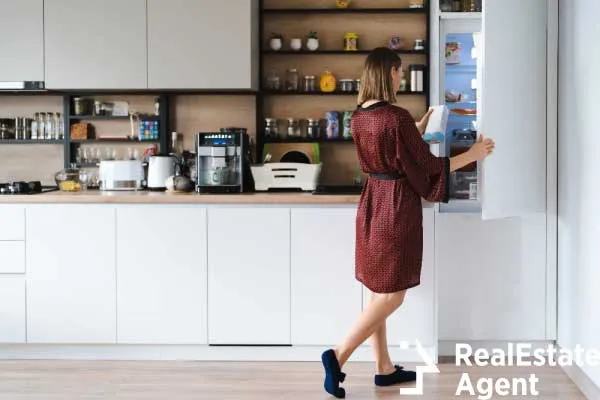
(480, 150)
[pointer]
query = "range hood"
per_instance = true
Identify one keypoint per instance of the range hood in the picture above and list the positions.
(22, 85)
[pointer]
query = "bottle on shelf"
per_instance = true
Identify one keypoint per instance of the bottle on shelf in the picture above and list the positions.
(41, 126)
(60, 127)
(34, 126)
(49, 126)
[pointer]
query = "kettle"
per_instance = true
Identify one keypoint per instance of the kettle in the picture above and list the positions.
(160, 168)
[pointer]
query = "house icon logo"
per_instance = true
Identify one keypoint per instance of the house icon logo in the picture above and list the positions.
(428, 368)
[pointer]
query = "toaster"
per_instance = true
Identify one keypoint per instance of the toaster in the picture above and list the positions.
(121, 175)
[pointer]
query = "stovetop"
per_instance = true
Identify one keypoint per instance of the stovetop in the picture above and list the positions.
(25, 188)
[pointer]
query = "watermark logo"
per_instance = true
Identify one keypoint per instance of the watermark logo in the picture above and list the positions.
(428, 368)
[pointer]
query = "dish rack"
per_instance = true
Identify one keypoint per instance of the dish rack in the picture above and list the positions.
(292, 176)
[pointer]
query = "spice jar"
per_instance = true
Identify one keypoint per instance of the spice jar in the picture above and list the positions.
(273, 81)
(79, 106)
(293, 129)
(313, 128)
(347, 85)
(271, 128)
(457, 5)
(309, 84)
(417, 4)
(470, 6)
(357, 85)
(351, 41)
(292, 80)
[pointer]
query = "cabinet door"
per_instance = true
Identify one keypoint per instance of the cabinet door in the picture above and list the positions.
(326, 298)
(415, 319)
(12, 255)
(95, 44)
(71, 280)
(513, 106)
(161, 275)
(12, 309)
(202, 44)
(249, 276)
(22, 40)
(492, 278)
(12, 222)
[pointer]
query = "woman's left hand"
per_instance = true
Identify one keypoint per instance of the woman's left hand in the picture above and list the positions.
(422, 124)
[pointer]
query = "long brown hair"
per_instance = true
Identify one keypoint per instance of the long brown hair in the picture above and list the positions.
(376, 81)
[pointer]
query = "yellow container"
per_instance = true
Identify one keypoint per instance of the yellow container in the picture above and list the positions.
(328, 82)
(351, 41)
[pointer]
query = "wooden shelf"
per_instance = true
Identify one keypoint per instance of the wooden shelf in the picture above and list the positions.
(335, 52)
(345, 11)
(30, 141)
(110, 117)
(308, 140)
(336, 93)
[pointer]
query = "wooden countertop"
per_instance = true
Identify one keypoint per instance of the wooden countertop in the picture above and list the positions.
(143, 197)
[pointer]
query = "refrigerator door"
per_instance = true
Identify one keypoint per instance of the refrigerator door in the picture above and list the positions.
(513, 87)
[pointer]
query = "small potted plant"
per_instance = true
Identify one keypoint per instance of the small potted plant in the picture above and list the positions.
(276, 42)
(312, 43)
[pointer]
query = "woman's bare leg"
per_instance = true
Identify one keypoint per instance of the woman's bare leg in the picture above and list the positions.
(383, 361)
(374, 315)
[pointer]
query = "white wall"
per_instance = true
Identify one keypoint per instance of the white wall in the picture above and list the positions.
(579, 180)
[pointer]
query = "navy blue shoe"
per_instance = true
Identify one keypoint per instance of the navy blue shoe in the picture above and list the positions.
(333, 375)
(398, 376)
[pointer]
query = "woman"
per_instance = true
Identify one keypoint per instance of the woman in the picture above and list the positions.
(389, 233)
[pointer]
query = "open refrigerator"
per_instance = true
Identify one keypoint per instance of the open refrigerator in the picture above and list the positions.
(460, 68)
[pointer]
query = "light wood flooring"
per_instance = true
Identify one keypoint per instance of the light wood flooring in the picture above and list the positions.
(55, 380)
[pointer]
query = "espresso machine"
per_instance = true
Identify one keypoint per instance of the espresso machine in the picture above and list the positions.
(223, 161)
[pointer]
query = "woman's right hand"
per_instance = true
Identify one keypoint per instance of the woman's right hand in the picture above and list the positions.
(482, 148)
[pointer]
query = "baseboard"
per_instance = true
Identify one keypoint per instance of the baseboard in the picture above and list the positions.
(192, 353)
(589, 389)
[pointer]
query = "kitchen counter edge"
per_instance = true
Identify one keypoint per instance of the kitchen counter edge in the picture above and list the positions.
(97, 197)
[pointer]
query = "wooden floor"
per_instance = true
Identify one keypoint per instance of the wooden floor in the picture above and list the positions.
(52, 380)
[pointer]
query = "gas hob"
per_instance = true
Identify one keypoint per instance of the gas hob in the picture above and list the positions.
(25, 188)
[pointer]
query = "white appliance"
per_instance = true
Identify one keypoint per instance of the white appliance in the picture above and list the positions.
(286, 176)
(160, 168)
(121, 175)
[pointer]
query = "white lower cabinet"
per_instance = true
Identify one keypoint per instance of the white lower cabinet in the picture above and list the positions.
(415, 319)
(326, 298)
(71, 280)
(12, 254)
(161, 275)
(12, 222)
(249, 275)
(492, 278)
(12, 309)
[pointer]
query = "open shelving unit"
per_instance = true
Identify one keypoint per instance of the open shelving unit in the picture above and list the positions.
(282, 105)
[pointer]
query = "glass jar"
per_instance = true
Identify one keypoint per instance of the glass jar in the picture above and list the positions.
(446, 5)
(273, 81)
(79, 106)
(271, 128)
(457, 5)
(68, 180)
(351, 41)
(347, 85)
(417, 4)
(293, 129)
(292, 80)
(357, 85)
(309, 84)
(313, 128)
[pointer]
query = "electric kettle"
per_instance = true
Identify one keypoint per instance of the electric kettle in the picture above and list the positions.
(160, 168)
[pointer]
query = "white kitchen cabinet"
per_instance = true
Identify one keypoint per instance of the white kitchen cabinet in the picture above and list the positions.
(95, 44)
(415, 319)
(249, 276)
(71, 279)
(492, 278)
(12, 256)
(326, 298)
(161, 275)
(22, 40)
(12, 309)
(202, 44)
(12, 222)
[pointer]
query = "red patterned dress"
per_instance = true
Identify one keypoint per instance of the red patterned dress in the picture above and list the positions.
(389, 223)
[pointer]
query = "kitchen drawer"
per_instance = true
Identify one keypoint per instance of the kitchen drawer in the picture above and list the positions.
(12, 223)
(12, 309)
(12, 257)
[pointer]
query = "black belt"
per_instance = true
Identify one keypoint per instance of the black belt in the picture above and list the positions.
(392, 176)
